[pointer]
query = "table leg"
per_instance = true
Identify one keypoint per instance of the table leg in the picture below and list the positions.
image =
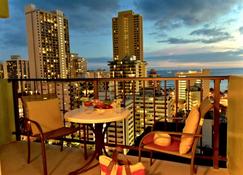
(99, 138)
(99, 146)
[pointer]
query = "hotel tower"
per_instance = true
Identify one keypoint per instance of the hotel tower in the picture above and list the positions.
(48, 43)
(128, 60)
(49, 51)
(127, 30)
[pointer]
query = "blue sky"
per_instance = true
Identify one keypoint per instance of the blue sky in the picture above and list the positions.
(189, 33)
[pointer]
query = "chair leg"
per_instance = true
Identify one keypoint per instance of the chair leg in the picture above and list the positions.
(43, 152)
(151, 158)
(195, 169)
(139, 154)
(28, 140)
(85, 145)
(61, 145)
(192, 168)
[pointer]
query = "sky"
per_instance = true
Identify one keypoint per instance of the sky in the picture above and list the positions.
(176, 33)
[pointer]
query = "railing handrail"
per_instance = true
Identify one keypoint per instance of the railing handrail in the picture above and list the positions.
(125, 79)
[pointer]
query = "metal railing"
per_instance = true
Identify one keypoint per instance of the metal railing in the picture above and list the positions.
(149, 99)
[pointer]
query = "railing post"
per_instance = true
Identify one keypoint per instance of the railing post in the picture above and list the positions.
(165, 102)
(96, 89)
(16, 108)
(144, 110)
(216, 124)
(134, 108)
(176, 101)
(176, 96)
(154, 106)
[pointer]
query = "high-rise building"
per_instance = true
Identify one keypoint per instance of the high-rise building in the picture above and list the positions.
(184, 86)
(78, 66)
(48, 43)
(127, 33)
(16, 67)
(152, 107)
(127, 30)
(49, 51)
(194, 96)
(97, 74)
(154, 84)
(128, 67)
(1, 71)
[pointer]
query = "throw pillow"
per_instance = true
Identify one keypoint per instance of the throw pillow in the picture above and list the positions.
(191, 125)
(162, 139)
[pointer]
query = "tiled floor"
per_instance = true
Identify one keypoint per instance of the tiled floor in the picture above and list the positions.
(13, 162)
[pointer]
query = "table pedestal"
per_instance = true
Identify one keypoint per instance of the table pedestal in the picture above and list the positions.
(99, 148)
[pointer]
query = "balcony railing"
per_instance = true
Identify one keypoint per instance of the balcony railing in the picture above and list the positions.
(150, 100)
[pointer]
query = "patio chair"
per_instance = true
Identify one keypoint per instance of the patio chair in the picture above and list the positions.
(43, 120)
(181, 144)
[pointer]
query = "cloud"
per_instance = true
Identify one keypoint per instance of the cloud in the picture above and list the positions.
(241, 30)
(215, 39)
(230, 21)
(200, 57)
(187, 41)
(169, 14)
(210, 35)
(158, 34)
(209, 32)
(198, 60)
(178, 41)
(85, 17)
(12, 31)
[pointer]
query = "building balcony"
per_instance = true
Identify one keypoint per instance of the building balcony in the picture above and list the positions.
(13, 162)
(217, 152)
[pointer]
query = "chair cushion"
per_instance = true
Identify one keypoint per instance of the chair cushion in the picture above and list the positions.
(191, 125)
(162, 139)
(174, 144)
(46, 113)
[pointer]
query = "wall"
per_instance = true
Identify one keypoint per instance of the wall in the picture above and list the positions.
(235, 125)
(7, 125)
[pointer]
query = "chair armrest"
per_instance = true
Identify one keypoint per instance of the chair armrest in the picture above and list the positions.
(177, 133)
(170, 133)
(37, 126)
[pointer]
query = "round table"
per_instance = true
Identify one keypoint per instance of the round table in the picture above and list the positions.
(98, 117)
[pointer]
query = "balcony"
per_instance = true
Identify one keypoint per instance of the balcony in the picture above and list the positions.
(142, 114)
(13, 158)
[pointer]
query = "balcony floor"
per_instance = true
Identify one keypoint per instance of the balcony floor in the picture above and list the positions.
(13, 162)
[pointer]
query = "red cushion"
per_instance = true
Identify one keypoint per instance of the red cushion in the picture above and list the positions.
(149, 141)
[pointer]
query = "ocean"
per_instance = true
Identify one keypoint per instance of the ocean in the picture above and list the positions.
(165, 72)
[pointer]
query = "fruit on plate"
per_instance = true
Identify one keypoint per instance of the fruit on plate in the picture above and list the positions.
(97, 102)
(88, 103)
(103, 106)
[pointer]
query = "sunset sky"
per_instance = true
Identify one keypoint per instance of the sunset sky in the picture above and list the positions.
(177, 33)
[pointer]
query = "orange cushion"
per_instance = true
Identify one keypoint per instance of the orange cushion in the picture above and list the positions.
(190, 127)
(162, 139)
(46, 113)
(149, 141)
